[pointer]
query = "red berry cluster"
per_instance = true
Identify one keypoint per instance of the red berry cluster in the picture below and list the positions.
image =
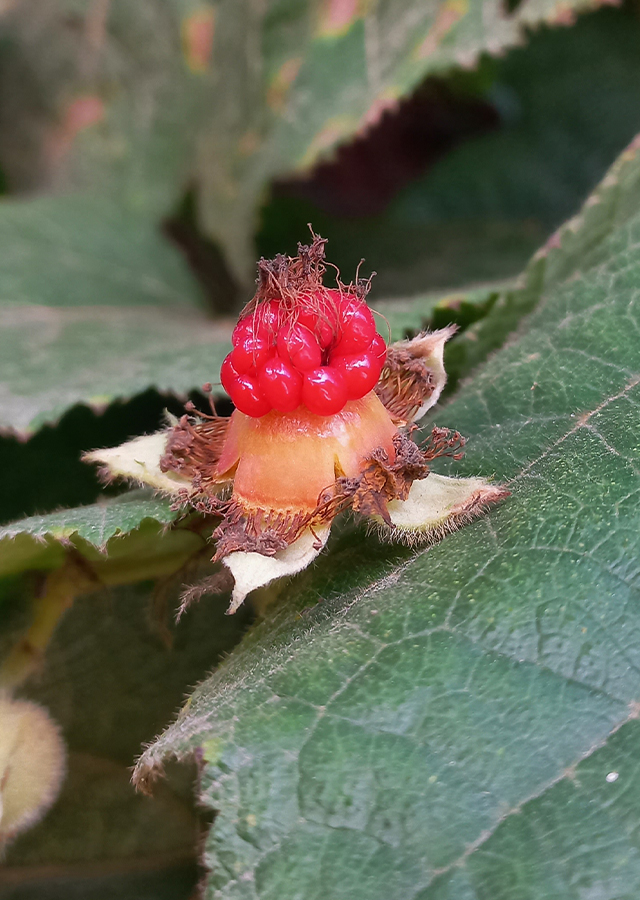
(321, 356)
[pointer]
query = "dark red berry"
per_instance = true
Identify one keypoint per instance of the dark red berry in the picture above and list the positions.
(299, 346)
(228, 373)
(360, 371)
(281, 384)
(357, 327)
(379, 349)
(248, 397)
(324, 391)
(250, 353)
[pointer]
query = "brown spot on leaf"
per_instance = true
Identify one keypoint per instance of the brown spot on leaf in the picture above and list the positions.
(197, 39)
(80, 114)
(337, 16)
(281, 83)
(450, 13)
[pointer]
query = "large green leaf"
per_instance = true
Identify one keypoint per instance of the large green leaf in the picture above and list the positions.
(297, 79)
(85, 250)
(86, 254)
(99, 96)
(95, 306)
(53, 359)
(447, 729)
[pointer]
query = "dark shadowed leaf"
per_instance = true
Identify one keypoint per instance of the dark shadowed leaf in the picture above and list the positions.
(111, 680)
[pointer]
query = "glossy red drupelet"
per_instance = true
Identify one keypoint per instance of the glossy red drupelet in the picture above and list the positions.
(321, 355)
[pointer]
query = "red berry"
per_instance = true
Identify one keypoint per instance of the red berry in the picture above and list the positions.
(281, 385)
(298, 345)
(248, 397)
(379, 349)
(324, 391)
(320, 325)
(360, 372)
(267, 320)
(228, 373)
(250, 353)
(243, 329)
(357, 326)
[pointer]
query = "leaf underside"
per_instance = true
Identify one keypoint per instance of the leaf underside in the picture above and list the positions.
(130, 525)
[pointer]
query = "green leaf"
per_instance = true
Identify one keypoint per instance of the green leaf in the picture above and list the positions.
(99, 97)
(131, 529)
(84, 251)
(426, 734)
(325, 74)
(94, 306)
(84, 255)
(94, 356)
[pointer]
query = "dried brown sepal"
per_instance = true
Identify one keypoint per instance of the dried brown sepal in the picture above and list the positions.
(442, 442)
(295, 282)
(286, 277)
(383, 481)
(413, 375)
(405, 383)
(193, 449)
(258, 530)
(219, 583)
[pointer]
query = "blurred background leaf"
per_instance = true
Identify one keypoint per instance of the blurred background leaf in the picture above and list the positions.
(564, 106)
(226, 95)
(554, 114)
